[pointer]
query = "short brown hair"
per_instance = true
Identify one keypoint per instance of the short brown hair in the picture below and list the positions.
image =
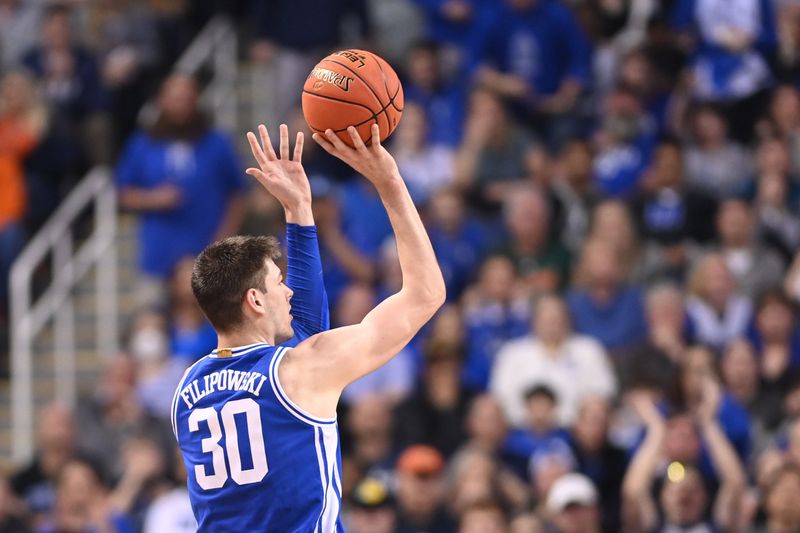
(225, 271)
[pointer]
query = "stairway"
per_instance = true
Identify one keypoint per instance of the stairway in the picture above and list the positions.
(88, 362)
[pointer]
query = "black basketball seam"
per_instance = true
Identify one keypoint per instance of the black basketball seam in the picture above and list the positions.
(374, 116)
(368, 86)
(386, 86)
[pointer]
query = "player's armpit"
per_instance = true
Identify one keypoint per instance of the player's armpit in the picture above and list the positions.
(323, 365)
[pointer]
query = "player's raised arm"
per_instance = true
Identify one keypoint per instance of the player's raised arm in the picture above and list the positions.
(330, 361)
(284, 177)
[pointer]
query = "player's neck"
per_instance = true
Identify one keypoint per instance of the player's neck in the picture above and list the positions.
(239, 338)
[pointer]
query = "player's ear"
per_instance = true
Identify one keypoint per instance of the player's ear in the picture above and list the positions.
(254, 300)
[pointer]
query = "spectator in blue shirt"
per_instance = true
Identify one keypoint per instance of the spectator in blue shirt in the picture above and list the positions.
(185, 181)
(494, 312)
(601, 303)
(625, 143)
(443, 98)
(535, 53)
(734, 42)
(459, 241)
(454, 25)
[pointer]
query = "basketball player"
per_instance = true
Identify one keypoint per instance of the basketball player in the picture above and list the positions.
(256, 419)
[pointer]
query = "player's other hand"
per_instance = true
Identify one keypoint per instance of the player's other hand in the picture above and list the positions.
(281, 175)
(373, 162)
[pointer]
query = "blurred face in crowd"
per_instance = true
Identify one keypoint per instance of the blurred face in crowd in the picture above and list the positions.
(497, 279)
(612, 222)
(622, 117)
(369, 417)
(637, 72)
(78, 491)
(420, 495)
(785, 108)
(578, 518)
(356, 301)
(551, 321)
(17, 91)
(576, 161)
(600, 266)
(697, 367)
(119, 382)
(541, 413)
(740, 370)
(486, 111)
(423, 68)
(412, 130)
(448, 326)
(178, 99)
(57, 31)
(591, 426)
(709, 128)
(372, 520)
(780, 501)
(55, 437)
(773, 157)
(684, 500)
(713, 281)
(483, 519)
(527, 217)
(775, 321)
(149, 339)
(667, 168)
(735, 224)
(681, 443)
(472, 481)
(486, 423)
(665, 309)
(447, 210)
(525, 523)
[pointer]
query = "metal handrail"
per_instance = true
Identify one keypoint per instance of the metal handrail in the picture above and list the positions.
(69, 265)
(216, 45)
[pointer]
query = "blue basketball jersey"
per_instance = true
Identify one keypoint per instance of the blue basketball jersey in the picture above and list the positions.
(255, 461)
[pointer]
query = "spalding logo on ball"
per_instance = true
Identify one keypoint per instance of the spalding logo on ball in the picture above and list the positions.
(353, 88)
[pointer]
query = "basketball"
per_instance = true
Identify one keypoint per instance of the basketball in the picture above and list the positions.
(353, 88)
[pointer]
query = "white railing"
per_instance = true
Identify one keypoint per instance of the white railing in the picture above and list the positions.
(69, 263)
(216, 46)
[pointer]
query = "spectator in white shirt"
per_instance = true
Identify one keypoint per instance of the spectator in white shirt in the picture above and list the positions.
(572, 365)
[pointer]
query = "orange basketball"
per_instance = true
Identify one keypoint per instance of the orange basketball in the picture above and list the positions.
(353, 88)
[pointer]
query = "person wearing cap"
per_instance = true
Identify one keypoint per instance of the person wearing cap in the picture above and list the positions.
(572, 505)
(371, 508)
(419, 476)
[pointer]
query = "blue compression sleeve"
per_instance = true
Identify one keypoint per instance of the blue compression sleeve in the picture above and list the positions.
(304, 277)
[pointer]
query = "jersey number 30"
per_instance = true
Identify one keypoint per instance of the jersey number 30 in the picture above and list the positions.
(219, 474)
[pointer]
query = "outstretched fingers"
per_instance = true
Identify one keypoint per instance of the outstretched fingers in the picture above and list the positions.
(258, 153)
(284, 145)
(298, 147)
(267, 143)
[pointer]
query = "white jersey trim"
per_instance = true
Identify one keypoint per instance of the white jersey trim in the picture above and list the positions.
(293, 409)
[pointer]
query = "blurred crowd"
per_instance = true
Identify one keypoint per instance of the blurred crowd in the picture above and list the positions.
(612, 188)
